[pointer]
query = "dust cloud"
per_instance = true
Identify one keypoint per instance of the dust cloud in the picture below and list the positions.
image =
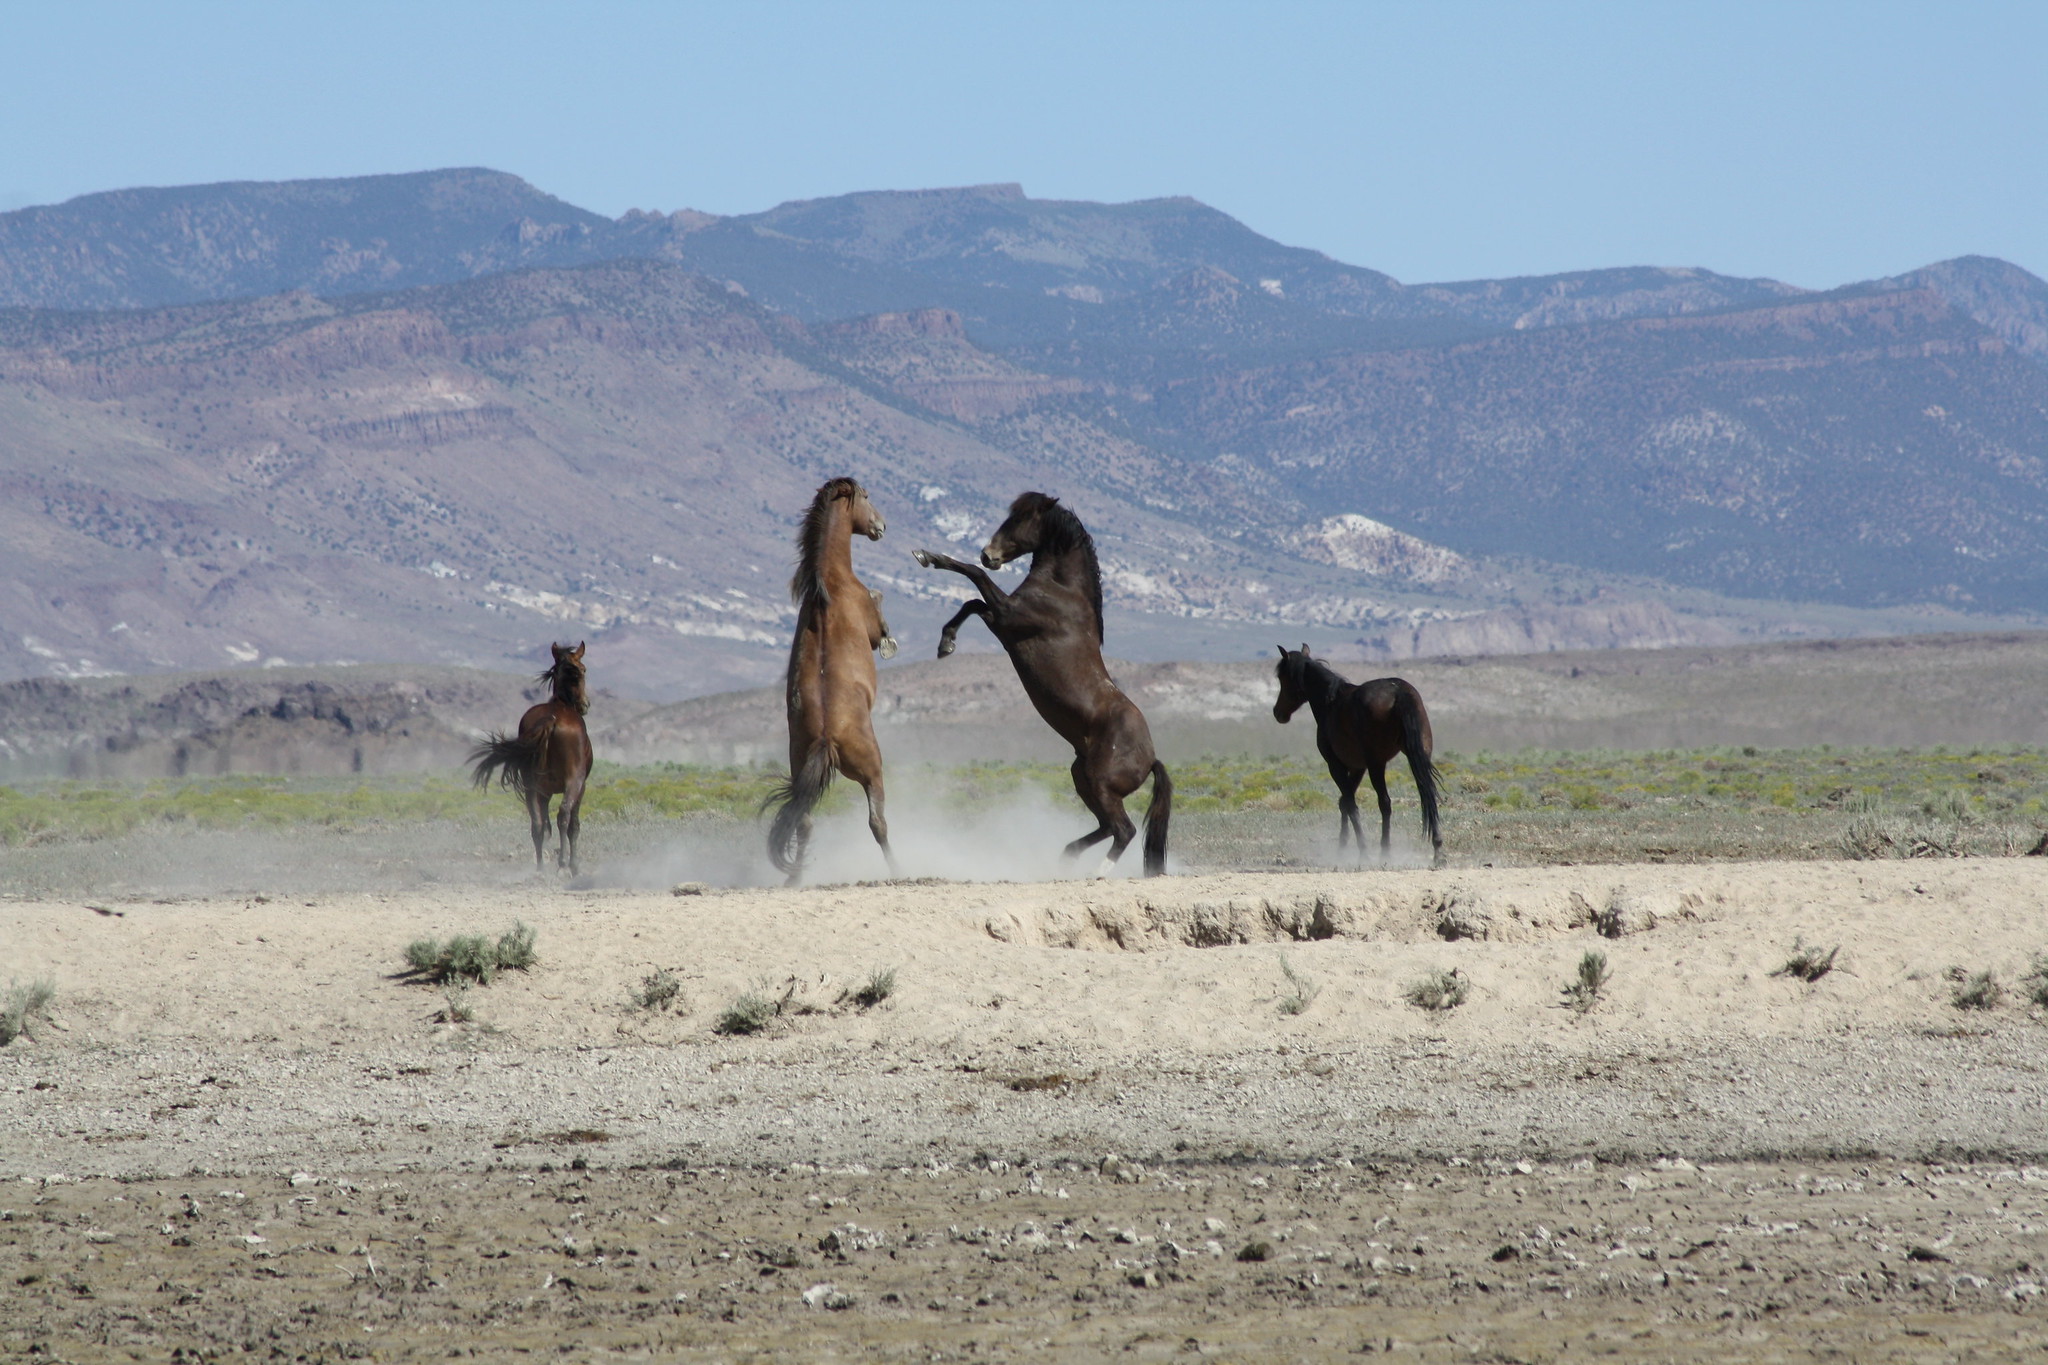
(1018, 838)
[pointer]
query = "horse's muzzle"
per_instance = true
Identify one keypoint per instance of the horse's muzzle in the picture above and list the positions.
(875, 530)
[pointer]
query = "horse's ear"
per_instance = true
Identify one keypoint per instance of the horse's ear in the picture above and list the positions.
(577, 655)
(557, 650)
(1304, 649)
(1282, 649)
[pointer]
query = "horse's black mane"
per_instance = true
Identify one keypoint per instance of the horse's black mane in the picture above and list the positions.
(563, 675)
(1311, 677)
(808, 583)
(1061, 532)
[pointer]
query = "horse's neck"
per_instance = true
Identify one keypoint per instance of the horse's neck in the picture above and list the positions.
(1068, 571)
(835, 553)
(1324, 689)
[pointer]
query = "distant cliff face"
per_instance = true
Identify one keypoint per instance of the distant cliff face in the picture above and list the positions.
(446, 416)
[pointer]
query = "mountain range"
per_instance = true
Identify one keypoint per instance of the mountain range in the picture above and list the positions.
(443, 417)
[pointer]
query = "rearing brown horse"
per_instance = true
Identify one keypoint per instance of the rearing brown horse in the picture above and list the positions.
(549, 757)
(830, 685)
(1052, 627)
(1360, 728)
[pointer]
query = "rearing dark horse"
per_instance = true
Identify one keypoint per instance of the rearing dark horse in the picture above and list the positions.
(1052, 627)
(1360, 728)
(549, 755)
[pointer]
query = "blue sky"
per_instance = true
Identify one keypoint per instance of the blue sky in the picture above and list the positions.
(1817, 143)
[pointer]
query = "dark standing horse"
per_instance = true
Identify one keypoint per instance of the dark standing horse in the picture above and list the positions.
(549, 757)
(1360, 728)
(830, 686)
(1052, 627)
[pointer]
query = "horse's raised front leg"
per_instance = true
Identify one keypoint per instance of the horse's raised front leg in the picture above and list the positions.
(537, 818)
(947, 641)
(884, 643)
(973, 573)
(1347, 780)
(569, 824)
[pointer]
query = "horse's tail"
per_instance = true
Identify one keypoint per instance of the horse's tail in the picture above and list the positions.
(796, 797)
(1156, 817)
(1409, 709)
(512, 760)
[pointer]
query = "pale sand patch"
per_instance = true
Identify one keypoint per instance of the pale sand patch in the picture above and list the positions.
(1694, 1046)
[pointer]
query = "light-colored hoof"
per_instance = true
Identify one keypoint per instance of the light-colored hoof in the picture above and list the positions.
(1103, 869)
(946, 646)
(887, 649)
(923, 557)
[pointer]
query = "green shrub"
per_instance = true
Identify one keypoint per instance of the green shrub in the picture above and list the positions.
(658, 990)
(750, 1013)
(1979, 991)
(1302, 992)
(471, 957)
(1440, 990)
(1808, 963)
(880, 985)
(1583, 992)
(2034, 985)
(23, 1002)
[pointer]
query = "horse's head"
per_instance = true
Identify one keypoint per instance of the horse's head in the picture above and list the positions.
(567, 675)
(1022, 532)
(866, 521)
(1292, 671)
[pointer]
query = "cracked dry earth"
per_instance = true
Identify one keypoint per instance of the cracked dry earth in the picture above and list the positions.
(242, 1136)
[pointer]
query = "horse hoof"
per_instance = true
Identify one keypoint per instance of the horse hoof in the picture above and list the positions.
(887, 649)
(923, 558)
(946, 647)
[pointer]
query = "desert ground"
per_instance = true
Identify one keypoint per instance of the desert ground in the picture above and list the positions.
(993, 1111)
(1189, 1118)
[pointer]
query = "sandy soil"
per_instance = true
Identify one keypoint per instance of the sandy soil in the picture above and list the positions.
(265, 1047)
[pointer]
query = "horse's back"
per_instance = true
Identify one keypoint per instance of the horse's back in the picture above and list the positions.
(1370, 726)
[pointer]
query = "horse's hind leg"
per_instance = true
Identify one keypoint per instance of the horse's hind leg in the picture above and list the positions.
(1378, 772)
(1085, 789)
(860, 758)
(1108, 804)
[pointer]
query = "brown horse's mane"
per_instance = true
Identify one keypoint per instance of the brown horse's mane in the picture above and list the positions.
(808, 582)
(566, 676)
(1061, 532)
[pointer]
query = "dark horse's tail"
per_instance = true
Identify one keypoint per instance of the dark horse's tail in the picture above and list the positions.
(1156, 816)
(510, 759)
(796, 797)
(1408, 707)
